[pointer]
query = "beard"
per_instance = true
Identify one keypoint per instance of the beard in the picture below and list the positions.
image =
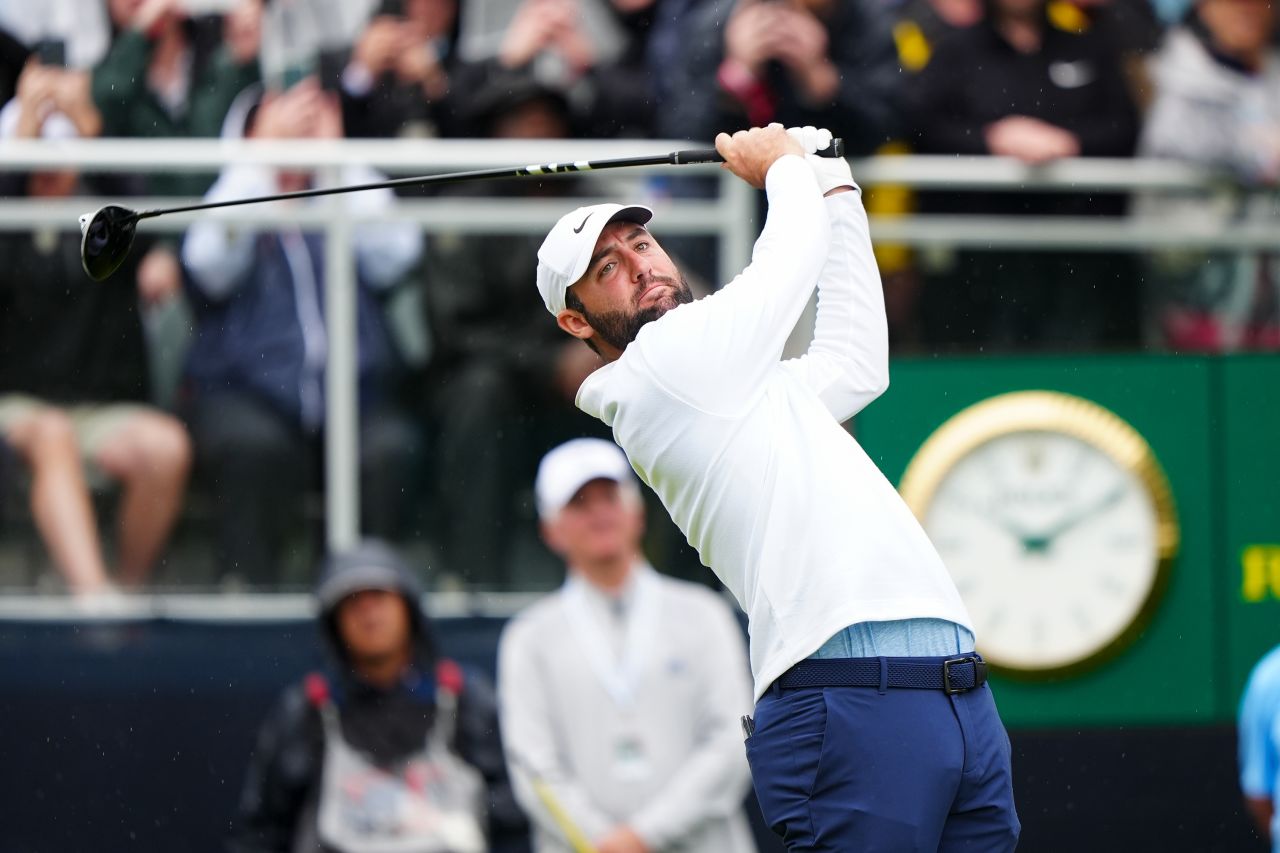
(619, 328)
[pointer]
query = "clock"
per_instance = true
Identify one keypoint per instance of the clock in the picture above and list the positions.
(1056, 522)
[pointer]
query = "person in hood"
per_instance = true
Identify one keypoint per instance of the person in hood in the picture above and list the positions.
(391, 744)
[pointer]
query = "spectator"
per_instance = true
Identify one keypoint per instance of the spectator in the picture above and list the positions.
(592, 50)
(13, 58)
(489, 388)
(73, 369)
(1218, 104)
(73, 32)
(398, 79)
(167, 75)
(621, 693)
(255, 372)
(920, 24)
(1259, 746)
(1018, 85)
(341, 760)
(799, 62)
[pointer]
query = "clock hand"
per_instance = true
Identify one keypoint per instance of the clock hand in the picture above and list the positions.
(1025, 537)
(1046, 537)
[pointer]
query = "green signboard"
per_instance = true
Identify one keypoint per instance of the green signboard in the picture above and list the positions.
(1247, 568)
(1171, 670)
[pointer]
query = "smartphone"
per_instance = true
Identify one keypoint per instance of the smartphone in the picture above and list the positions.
(51, 52)
(330, 64)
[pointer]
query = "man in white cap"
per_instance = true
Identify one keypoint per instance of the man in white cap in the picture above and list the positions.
(874, 728)
(620, 693)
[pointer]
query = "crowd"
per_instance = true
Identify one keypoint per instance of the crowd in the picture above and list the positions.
(1034, 80)
(393, 740)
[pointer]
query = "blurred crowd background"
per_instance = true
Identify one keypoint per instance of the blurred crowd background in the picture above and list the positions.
(112, 468)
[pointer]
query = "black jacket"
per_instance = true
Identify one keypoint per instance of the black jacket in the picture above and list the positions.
(64, 338)
(278, 805)
(975, 78)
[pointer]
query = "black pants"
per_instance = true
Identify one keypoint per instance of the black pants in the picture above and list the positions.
(259, 466)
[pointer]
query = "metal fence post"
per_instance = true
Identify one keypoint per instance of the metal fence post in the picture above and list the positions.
(342, 455)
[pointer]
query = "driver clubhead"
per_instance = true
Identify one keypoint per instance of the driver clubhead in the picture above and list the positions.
(105, 239)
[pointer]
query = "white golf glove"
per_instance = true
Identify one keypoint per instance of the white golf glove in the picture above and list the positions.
(811, 138)
(831, 172)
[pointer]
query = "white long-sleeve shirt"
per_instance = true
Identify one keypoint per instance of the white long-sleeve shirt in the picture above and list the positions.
(627, 710)
(747, 452)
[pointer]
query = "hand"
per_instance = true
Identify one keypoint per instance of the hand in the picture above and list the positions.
(748, 36)
(800, 42)
(798, 39)
(159, 277)
(151, 14)
(572, 43)
(1030, 140)
(621, 839)
(750, 153)
(532, 30)
(294, 114)
(242, 31)
(327, 121)
(833, 173)
(419, 64)
(812, 139)
(379, 46)
(36, 91)
(74, 97)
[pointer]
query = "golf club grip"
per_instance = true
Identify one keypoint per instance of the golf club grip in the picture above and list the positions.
(711, 155)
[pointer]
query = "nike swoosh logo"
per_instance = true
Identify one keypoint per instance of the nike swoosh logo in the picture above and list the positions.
(578, 230)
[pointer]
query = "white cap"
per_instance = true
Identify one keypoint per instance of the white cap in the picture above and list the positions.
(566, 253)
(569, 467)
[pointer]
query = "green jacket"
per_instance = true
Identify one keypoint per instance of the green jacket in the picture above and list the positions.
(130, 109)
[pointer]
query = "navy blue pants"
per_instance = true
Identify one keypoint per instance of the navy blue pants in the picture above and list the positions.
(855, 769)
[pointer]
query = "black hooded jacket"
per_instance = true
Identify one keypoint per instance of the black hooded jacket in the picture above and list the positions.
(278, 805)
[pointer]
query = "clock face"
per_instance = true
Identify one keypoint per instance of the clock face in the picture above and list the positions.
(1054, 522)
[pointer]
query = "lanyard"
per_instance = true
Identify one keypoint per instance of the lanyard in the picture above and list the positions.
(620, 678)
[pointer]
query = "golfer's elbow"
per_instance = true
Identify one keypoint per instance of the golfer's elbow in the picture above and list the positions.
(879, 380)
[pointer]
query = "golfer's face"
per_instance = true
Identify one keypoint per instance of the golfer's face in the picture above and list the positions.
(629, 273)
(600, 523)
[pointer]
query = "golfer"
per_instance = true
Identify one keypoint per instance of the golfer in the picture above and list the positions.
(874, 728)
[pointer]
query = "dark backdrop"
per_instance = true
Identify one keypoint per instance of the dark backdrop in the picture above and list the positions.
(135, 736)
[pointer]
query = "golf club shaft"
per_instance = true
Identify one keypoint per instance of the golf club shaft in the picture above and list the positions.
(675, 158)
(576, 837)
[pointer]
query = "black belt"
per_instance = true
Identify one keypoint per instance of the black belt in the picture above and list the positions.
(950, 675)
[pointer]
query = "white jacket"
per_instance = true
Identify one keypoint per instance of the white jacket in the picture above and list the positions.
(629, 720)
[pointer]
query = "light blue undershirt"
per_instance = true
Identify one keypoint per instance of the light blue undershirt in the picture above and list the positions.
(898, 638)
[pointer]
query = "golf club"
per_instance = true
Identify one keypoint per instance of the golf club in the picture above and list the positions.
(107, 234)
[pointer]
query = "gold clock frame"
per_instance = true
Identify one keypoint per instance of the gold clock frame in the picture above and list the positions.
(1056, 412)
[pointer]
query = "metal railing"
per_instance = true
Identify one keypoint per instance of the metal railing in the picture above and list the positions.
(729, 217)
